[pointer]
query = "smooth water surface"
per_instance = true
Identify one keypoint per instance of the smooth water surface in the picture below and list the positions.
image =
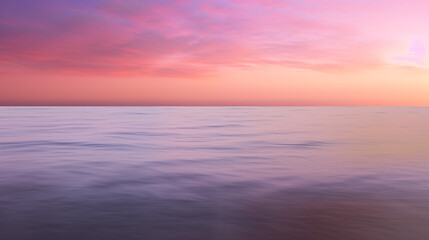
(242, 173)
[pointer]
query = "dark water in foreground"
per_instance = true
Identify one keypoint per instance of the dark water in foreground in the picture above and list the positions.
(214, 173)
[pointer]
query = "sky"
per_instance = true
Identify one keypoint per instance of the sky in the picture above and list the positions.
(214, 52)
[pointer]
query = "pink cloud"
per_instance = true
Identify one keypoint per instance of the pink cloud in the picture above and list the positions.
(187, 38)
(415, 56)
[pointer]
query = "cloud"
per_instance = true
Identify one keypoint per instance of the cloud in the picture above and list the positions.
(415, 55)
(184, 38)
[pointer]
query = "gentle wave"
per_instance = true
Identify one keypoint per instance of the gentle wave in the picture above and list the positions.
(214, 173)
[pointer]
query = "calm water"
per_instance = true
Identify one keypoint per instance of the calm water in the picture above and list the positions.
(214, 173)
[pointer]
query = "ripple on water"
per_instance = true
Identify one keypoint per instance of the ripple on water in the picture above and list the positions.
(214, 173)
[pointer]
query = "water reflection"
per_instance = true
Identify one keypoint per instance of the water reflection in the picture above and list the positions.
(214, 173)
(223, 212)
(331, 214)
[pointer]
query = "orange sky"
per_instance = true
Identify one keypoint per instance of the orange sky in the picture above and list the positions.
(187, 52)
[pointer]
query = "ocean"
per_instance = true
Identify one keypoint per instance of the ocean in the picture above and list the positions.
(221, 173)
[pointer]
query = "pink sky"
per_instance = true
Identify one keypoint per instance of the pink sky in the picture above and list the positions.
(214, 52)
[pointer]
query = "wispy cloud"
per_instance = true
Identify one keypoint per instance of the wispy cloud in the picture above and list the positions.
(415, 55)
(187, 38)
